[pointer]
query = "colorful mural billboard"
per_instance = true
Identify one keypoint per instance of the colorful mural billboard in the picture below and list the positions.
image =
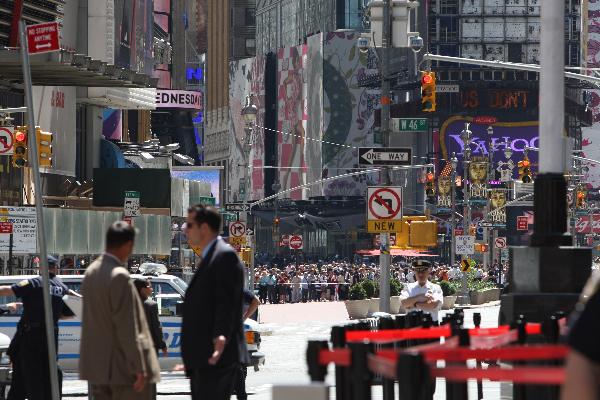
(591, 136)
(291, 121)
(348, 112)
(246, 77)
(516, 135)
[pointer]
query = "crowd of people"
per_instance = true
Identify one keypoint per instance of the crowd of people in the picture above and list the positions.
(300, 282)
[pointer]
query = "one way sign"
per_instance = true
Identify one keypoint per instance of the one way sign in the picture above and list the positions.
(391, 156)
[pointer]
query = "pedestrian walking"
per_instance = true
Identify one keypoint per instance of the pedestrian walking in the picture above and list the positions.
(144, 289)
(117, 355)
(212, 334)
(28, 349)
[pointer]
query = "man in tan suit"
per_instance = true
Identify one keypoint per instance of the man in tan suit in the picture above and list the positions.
(117, 354)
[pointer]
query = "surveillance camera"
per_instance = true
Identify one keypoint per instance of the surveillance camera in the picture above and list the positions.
(416, 43)
(363, 43)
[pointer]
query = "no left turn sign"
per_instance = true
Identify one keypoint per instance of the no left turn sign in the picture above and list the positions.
(500, 243)
(7, 139)
(384, 203)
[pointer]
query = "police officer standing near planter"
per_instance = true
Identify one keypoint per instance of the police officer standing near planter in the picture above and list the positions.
(422, 295)
(28, 349)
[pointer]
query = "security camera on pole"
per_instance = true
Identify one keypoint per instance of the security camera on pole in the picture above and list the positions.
(387, 34)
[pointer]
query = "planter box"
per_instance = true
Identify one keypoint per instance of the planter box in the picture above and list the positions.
(395, 305)
(448, 303)
(485, 296)
(493, 294)
(373, 305)
(357, 309)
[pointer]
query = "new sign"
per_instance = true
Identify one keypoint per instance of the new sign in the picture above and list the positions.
(179, 99)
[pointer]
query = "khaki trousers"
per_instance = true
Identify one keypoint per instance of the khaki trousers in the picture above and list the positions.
(117, 392)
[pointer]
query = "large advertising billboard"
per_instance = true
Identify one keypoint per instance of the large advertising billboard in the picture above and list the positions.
(514, 135)
(134, 42)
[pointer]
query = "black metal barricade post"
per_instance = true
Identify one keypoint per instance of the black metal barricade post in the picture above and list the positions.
(359, 371)
(414, 378)
(316, 371)
(338, 341)
(387, 384)
(477, 323)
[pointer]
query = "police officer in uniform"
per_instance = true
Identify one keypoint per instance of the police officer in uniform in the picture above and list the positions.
(28, 349)
(422, 295)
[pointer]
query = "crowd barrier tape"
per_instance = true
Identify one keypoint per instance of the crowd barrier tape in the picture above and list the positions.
(359, 355)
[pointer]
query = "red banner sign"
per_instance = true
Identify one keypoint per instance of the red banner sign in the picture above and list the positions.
(485, 119)
(522, 223)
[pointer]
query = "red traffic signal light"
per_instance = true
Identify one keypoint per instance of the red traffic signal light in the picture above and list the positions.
(427, 79)
(20, 136)
(429, 177)
(526, 163)
(580, 195)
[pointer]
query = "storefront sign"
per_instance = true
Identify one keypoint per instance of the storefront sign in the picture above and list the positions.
(179, 99)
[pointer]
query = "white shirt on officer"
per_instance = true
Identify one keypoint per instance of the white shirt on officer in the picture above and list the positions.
(414, 289)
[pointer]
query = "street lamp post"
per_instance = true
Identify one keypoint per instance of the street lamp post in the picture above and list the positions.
(454, 162)
(465, 136)
(276, 188)
(489, 255)
(249, 112)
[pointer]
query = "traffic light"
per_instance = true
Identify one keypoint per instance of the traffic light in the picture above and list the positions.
(580, 202)
(525, 171)
(44, 144)
(276, 221)
(472, 230)
(19, 157)
(428, 91)
(430, 185)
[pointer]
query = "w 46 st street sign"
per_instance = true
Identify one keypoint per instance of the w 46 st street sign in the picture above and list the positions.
(410, 124)
(393, 156)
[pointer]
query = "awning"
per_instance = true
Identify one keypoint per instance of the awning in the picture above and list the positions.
(65, 68)
(396, 252)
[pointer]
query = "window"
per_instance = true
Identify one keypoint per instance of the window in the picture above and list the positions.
(250, 19)
(167, 306)
(163, 288)
(11, 299)
(250, 46)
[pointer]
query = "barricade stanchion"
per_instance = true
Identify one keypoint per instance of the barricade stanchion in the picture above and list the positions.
(520, 391)
(338, 341)
(316, 371)
(459, 390)
(387, 384)
(477, 324)
(359, 371)
(414, 379)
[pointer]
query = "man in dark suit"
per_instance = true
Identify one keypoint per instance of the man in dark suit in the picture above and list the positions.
(212, 333)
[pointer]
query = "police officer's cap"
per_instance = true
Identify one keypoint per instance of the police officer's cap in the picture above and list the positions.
(52, 261)
(421, 265)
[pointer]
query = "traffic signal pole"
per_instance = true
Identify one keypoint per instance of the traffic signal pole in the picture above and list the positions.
(384, 177)
(39, 208)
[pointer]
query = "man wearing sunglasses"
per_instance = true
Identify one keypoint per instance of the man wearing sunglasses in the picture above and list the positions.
(212, 335)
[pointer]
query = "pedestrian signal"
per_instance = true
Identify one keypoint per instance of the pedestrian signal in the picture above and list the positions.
(428, 103)
(19, 157)
(525, 171)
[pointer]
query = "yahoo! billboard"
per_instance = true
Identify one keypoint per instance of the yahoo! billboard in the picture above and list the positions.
(516, 135)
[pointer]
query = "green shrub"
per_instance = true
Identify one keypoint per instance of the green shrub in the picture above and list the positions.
(395, 287)
(370, 288)
(357, 292)
(447, 288)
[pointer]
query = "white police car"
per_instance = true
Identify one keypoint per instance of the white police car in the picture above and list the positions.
(168, 292)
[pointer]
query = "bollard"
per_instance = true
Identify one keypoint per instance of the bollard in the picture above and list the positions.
(387, 384)
(414, 379)
(477, 323)
(316, 371)
(342, 386)
(360, 375)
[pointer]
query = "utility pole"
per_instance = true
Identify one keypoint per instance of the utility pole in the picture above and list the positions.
(249, 112)
(454, 162)
(384, 178)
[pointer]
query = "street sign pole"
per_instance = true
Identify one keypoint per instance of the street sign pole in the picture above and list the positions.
(384, 178)
(37, 182)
